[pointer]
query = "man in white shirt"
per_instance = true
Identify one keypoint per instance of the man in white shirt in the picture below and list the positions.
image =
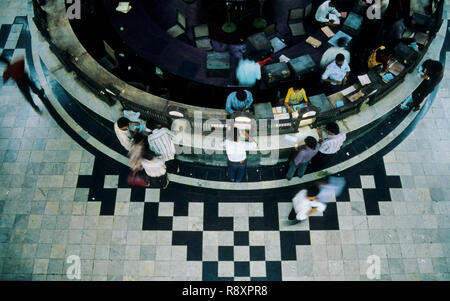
(160, 141)
(122, 132)
(306, 203)
(333, 143)
(337, 73)
(155, 169)
(327, 14)
(237, 156)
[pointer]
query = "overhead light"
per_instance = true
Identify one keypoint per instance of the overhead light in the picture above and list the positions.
(177, 112)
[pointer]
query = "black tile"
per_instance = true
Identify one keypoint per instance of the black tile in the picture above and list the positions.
(226, 253)
(108, 206)
(5, 29)
(290, 239)
(211, 270)
(269, 222)
(257, 253)
(344, 197)
(242, 269)
(154, 222)
(193, 241)
(371, 199)
(241, 238)
(137, 194)
(394, 181)
(329, 220)
(211, 220)
(180, 208)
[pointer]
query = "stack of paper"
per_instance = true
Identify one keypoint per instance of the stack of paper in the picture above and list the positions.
(327, 31)
(356, 96)
(123, 7)
(364, 79)
(396, 69)
(313, 42)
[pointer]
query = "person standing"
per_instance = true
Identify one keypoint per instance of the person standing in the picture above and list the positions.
(333, 143)
(305, 203)
(303, 158)
(155, 169)
(16, 71)
(136, 152)
(160, 141)
(330, 145)
(239, 101)
(237, 156)
(432, 74)
(122, 132)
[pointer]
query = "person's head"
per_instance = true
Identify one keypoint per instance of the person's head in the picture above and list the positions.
(123, 123)
(340, 58)
(149, 155)
(241, 95)
(311, 142)
(297, 86)
(332, 3)
(312, 192)
(332, 128)
(341, 42)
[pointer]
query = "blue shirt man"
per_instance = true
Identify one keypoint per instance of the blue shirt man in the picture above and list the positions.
(239, 101)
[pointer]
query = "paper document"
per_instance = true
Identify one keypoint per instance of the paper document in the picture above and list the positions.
(364, 79)
(327, 31)
(348, 90)
(284, 59)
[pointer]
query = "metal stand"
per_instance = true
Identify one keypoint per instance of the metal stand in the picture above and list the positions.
(229, 26)
(260, 22)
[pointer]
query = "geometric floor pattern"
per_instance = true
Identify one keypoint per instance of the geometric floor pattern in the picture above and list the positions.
(58, 200)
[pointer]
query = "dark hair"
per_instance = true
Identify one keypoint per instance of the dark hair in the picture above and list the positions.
(138, 138)
(149, 155)
(123, 121)
(333, 2)
(340, 57)
(241, 95)
(312, 191)
(332, 127)
(297, 86)
(341, 42)
(311, 142)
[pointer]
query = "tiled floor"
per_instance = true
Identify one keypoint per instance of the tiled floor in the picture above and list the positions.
(57, 200)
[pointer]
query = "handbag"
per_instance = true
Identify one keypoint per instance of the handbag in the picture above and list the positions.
(138, 179)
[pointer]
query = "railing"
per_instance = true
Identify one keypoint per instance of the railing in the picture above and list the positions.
(283, 126)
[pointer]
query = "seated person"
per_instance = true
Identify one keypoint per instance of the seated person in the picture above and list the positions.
(337, 73)
(239, 101)
(327, 14)
(295, 95)
(330, 54)
(379, 57)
